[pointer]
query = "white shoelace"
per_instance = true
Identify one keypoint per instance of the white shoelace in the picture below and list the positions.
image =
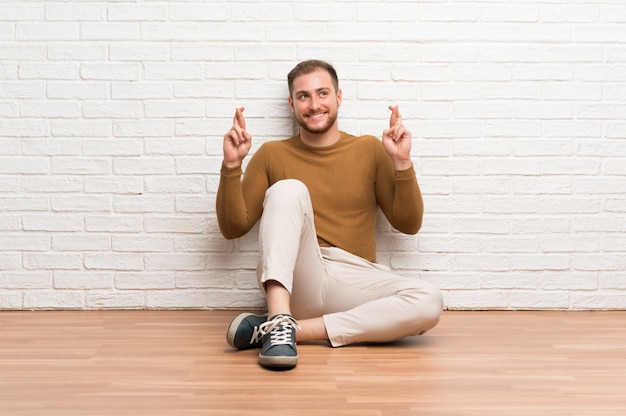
(279, 330)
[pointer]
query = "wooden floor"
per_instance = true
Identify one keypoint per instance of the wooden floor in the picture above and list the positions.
(177, 363)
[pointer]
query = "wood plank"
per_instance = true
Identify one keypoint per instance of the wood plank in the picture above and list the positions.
(177, 363)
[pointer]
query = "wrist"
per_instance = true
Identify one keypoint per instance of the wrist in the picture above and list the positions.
(231, 165)
(402, 164)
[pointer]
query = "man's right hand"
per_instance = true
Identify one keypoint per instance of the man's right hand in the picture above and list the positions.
(237, 141)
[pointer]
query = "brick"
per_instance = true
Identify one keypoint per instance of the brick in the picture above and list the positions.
(202, 244)
(142, 243)
(143, 166)
(539, 300)
(52, 261)
(444, 13)
(47, 31)
(73, 51)
(71, 12)
(569, 281)
(81, 129)
(82, 280)
(52, 222)
(53, 299)
(50, 109)
(179, 185)
(25, 128)
(202, 52)
(48, 71)
(10, 223)
(8, 109)
(193, 225)
(110, 31)
(15, 12)
(77, 90)
(215, 12)
(143, 128)
(180, 299)
(597, 300)
(81, 203)
(144, 203)
(51, 184)
(216, 280)
(115, 300)
(136, 12)
(236, 299)
(190, 146)
(11, 300)
(141, 90)
(30, 280)
(194, 204)
(114, 223)
(10, 261)
(508, 280)
(476, 299)
(110, 71)
(24, 166)
(144, 281)
(105, 109)
(87, 242)
(109, 147)
(113, 185)
(24, 242)
(113, 261)
(25, 203)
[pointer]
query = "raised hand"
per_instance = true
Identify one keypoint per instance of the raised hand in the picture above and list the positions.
(397, 141)
(237, 141)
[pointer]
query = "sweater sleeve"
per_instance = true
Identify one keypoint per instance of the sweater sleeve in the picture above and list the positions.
(399, 196)
(239, 202)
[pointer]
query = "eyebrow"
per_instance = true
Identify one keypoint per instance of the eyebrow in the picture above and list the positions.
(317, 90)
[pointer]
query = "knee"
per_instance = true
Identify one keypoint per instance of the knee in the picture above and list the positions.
(287, 193)
(287, 187)
(428, 306)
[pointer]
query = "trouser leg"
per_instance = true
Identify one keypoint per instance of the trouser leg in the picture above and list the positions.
(360, 301)
(366, 302)
(289, 252)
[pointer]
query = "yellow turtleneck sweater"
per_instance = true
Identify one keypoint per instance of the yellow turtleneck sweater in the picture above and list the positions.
(347, 182)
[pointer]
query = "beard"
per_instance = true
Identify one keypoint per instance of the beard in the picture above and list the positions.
(303, 123)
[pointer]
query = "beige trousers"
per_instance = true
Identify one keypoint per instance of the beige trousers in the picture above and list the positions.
(360, 301)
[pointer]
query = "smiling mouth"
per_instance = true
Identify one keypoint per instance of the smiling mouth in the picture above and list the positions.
(315, 115)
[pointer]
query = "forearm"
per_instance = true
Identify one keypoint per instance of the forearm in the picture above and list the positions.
(231, 210)
(408, 205)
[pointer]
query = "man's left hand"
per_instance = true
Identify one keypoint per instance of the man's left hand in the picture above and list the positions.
(397, 141)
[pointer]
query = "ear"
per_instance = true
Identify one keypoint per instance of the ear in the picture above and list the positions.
(291, 105)
(339, 97)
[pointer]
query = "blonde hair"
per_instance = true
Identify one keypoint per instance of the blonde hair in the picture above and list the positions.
(306, 67)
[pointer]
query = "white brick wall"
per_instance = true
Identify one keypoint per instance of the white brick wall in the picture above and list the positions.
(112, 116)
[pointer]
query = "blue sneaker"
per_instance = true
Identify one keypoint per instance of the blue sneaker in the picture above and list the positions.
(279, 346)
(245, 331)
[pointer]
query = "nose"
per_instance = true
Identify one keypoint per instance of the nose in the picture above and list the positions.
(313, 102)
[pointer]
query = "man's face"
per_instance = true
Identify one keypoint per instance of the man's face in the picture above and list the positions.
(315, 102)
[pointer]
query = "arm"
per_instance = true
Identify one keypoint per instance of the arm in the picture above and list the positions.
(235, 215)
(397, 190)
(397, 141)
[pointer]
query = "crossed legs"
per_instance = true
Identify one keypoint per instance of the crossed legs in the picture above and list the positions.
(335, 295)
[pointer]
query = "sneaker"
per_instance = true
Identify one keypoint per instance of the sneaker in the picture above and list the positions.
(279, 346)
(245, 331)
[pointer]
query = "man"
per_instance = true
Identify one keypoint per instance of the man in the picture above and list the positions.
(317, 196)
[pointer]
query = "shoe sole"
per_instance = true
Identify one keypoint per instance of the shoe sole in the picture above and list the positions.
(232, 328)
(278, 361)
